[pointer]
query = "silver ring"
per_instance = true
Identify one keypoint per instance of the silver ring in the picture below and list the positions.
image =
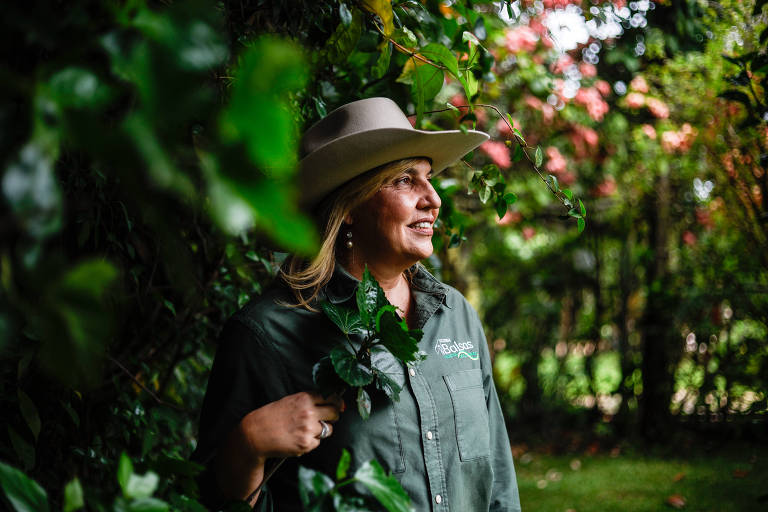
(326, 430)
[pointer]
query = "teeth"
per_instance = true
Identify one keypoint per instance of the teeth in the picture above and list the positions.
(422, 225)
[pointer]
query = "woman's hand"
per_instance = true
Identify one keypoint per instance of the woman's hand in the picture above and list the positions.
(289, 426)
(284, 428)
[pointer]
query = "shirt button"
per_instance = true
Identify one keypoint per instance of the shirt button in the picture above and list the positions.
(412, 372)
(429, 435)
(438, 499)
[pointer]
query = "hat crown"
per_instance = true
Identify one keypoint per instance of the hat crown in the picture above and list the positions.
(356, 117)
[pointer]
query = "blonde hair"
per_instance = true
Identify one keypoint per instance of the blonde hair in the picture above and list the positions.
(307, 278)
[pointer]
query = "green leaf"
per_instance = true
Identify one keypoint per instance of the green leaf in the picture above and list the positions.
(382, 63)
(345, 14)
(387, 384)
(24, 451)
(438, 53)
(147, 504)
(343, 466)
(349, 368)
(269, 70)
(385, 488)
(363, 403)
(501, 206)
(582, 209)
(78, 88)
(24, 494)
(73, 496)
(552, 180)
(405, 37)
(397, 338)
(429, 81)
(313, 486)
(370, 298)
(342, 42)
(382, 9)
(141, 486)
(581, 224)
(467, 36)
(484, 194)
(567, 193)
(539, 156)
(124, 472)
(345, 319)
(326, 380)
(510, 198)
(29, 412)
(519, 136)
(518, 153)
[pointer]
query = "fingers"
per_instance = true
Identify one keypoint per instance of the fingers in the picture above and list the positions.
(326, 429)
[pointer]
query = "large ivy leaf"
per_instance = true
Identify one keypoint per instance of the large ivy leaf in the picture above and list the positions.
(395, 335)
(25, 494)
(343, 465)
(325, 377)
(370, 298)
(29, 411)
(385, 488)
(345, 319)
(388, 385)
(349, 368)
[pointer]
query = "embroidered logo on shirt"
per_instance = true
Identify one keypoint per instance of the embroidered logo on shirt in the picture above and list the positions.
(450, 349)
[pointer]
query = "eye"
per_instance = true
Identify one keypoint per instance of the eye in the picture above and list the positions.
(403, 180)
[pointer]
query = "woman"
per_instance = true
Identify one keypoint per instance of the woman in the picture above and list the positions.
(365, 172)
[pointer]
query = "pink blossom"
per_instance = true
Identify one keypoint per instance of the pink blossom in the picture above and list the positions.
(458, 100)
(562, 63)
(638, 84)
(603, 86)
(510, 218)
(567, 178)
(532, 101)
(521, 39)
(554, 4)
(556, 163)
(658, 108)
(670, 141)
(587, 70)
(649, 131)
(503, 128)
(606, 188)
(689, 238)
(591, 98)
(584, 139)
(528, 233)
(498, 152)
(635, 100)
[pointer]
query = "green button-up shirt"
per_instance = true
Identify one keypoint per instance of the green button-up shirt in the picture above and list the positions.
(444, 440)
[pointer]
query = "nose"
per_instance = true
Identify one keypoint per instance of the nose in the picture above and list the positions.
(430, 198)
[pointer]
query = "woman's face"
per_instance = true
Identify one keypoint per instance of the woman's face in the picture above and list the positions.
(394, 227)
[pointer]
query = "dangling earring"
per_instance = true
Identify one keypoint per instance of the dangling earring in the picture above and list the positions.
(349, 243)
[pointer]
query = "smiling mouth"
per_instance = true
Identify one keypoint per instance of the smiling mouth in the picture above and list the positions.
(423, 227)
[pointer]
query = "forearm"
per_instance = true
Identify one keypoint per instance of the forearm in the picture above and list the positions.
(239, 464)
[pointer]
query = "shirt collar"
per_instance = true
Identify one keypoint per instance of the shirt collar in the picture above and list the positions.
(342, 286)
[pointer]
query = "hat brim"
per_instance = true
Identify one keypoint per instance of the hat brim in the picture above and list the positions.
(332, 165)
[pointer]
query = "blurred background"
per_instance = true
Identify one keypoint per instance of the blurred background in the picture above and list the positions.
(613, 233)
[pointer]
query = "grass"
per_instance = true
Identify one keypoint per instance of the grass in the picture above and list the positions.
(729, 480)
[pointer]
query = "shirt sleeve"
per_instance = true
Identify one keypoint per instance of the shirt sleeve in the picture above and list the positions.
(247, 374)
(504, 494)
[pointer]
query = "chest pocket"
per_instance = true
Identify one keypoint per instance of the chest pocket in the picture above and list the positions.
(470, 413)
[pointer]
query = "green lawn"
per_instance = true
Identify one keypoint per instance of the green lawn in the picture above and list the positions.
(726, 481)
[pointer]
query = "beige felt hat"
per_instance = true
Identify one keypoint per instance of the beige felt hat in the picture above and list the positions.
(364, 134)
